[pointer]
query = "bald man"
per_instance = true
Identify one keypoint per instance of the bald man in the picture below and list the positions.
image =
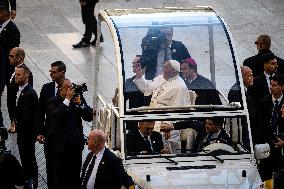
(102, 169)
(16, 59)
(235, 96)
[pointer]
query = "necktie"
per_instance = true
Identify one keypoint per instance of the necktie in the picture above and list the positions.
(148, 145)
(18, 96)
(209, 136)
(275, 116)
(168, 54)
(57, 90)
(89, 172)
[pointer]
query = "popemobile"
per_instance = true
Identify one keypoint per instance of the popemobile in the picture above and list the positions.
(141, 46)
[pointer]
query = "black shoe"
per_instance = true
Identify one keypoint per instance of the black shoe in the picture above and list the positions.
(81, 44)
(93, 43)
(101, 39)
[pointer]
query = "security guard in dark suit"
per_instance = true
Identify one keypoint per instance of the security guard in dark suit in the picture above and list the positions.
(90, 21)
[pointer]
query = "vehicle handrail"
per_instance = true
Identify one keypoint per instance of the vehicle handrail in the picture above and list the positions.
(102, 100)
(146, 108)
(224, 97)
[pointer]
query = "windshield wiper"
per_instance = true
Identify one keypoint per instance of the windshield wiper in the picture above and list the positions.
(214, 156)
(171, 160)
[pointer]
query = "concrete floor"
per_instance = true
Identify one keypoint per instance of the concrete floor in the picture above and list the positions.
(50, 27)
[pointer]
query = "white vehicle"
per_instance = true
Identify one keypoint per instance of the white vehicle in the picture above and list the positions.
(131, 32)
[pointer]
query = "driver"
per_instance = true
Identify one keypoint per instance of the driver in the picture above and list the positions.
(144, 140)
(208, 133)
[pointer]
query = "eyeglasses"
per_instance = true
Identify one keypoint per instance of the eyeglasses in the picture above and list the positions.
(258, 43)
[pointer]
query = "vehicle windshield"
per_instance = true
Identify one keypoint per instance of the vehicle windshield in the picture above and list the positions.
(198, 136)
(152, 45)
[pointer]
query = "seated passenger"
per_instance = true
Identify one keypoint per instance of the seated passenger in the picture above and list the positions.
(144, 140)
(209, 132)
(131, 92)
(167, 89)
(157, 48)
(203, 87)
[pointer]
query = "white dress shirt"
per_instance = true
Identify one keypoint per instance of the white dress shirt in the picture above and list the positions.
(92, 179)
(267, 77)
(55, 88)
(4, 25)
(13, 74)
(21, 88)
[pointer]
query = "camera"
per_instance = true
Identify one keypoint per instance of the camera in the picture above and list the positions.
(153, 40)
(79, 89)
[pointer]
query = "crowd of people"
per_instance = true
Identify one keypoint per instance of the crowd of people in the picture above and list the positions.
(54, 119)
(163, 76)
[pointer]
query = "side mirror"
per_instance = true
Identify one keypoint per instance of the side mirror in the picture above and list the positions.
(261, 151)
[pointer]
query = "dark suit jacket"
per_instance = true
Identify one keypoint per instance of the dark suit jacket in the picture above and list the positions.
(256, 65)
(26, 111)
(200, 128)
(235, 96)
(135, 143)
(264, 113)
(8, 3)
(110, 173)
(66, 124)
(260, 87)
(205, 90)
(133, 94)
(149, 58)
(9, 38)
(2, 69)
(264, 134)
(43, 122)
(12, 89)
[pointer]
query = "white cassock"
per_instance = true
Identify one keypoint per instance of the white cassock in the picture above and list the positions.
(172, 92)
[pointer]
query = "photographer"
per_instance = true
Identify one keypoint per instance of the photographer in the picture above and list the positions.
(159, 47)
(65, 137)
(11, 172)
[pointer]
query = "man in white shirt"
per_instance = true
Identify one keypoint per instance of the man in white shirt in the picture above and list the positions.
(102, 169)
(167, 89)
